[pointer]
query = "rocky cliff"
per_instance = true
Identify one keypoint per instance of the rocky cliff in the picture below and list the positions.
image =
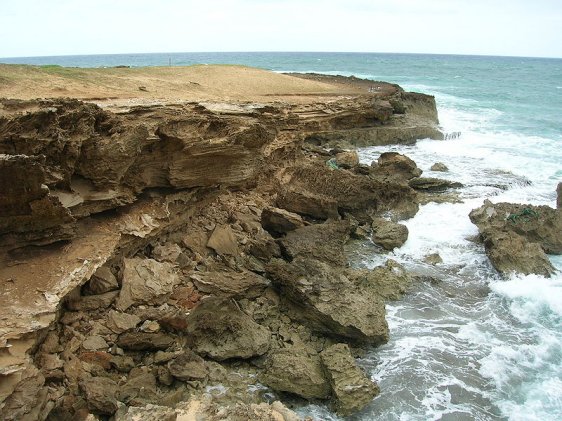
(149, 253)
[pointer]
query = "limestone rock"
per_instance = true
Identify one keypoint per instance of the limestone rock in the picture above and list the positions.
(388, 234)
(393, 165)
(280, 221)
(352, 390)
(305, 202)
(100, 394)
(328, 301)
(296, 370)
(94, 343)
(223, 241)
(230, 284)
(319, 241)
(347, 159)
(145, 281)
(166, 252)
(389, 281)
(218, 329)
(92, 302)
(188, 366)
(428, 184)
(102, 281)
(440, 167)
(119, 322)
(142, 341)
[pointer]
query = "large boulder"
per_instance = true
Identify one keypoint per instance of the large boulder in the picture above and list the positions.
(388, 234)
(396, 166)
(146, 281)
(296, 370)
(324, 298)
(352, 390)
(218, 329)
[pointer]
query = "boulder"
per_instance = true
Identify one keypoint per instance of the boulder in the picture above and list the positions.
(322, 297)
(347, 159)
(145, 281)
(510, 252)
(230, 284)
(223, 241)
(433, 259)
(433, 185)
(218, 329)
(296, 370)
(440, 167)
(143, 341)
(537, 224)
(100, 394)
(102, 281)
(388, 234)
(352, 390)
(188, 366)
(319, 241)
(280, 221)
(389, 281)
(396, 166)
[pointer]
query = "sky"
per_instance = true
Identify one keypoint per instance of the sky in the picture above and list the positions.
(485, 27)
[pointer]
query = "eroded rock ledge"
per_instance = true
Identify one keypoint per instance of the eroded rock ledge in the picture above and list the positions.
(154, 253)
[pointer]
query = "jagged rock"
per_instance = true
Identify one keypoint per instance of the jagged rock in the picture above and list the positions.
(218, 329)
(29, 215)
(223, 241)
(166, 252)
(510, 252)
(280, 221)
(94, 343)
(145, 281)
(122, 363)
(100, 394)
(188, 366)
(440, 167)
(102, 281)
(296, 370)
(319, 241)
(327, 301)
(396, 166)
(428, 184)
(140, 386)
(142, 341)
(347, 159)
(230, 284)
(119, 322)
(352, 390)
(559, 196)
(388, 234)
(92, 302)
(389, 281)
(516, 237)
(433, 259)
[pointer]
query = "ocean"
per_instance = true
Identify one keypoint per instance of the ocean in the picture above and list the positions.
(470, 345)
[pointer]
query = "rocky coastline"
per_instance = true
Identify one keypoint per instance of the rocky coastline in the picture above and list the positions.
(184, 260)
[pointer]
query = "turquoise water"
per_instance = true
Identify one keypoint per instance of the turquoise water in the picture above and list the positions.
(472, 345)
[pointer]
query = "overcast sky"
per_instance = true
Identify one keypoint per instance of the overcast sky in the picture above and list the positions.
(490, 27)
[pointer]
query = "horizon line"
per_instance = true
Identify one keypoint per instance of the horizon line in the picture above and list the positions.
(278, 52)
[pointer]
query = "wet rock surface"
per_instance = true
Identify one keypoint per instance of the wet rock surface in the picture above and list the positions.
(518, 237)
(388, 234)
(160, 250)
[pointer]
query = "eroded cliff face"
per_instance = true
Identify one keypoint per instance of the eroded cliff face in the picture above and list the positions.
(146, 253)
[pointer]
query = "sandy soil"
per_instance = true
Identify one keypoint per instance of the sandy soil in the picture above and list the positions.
(129, 86)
